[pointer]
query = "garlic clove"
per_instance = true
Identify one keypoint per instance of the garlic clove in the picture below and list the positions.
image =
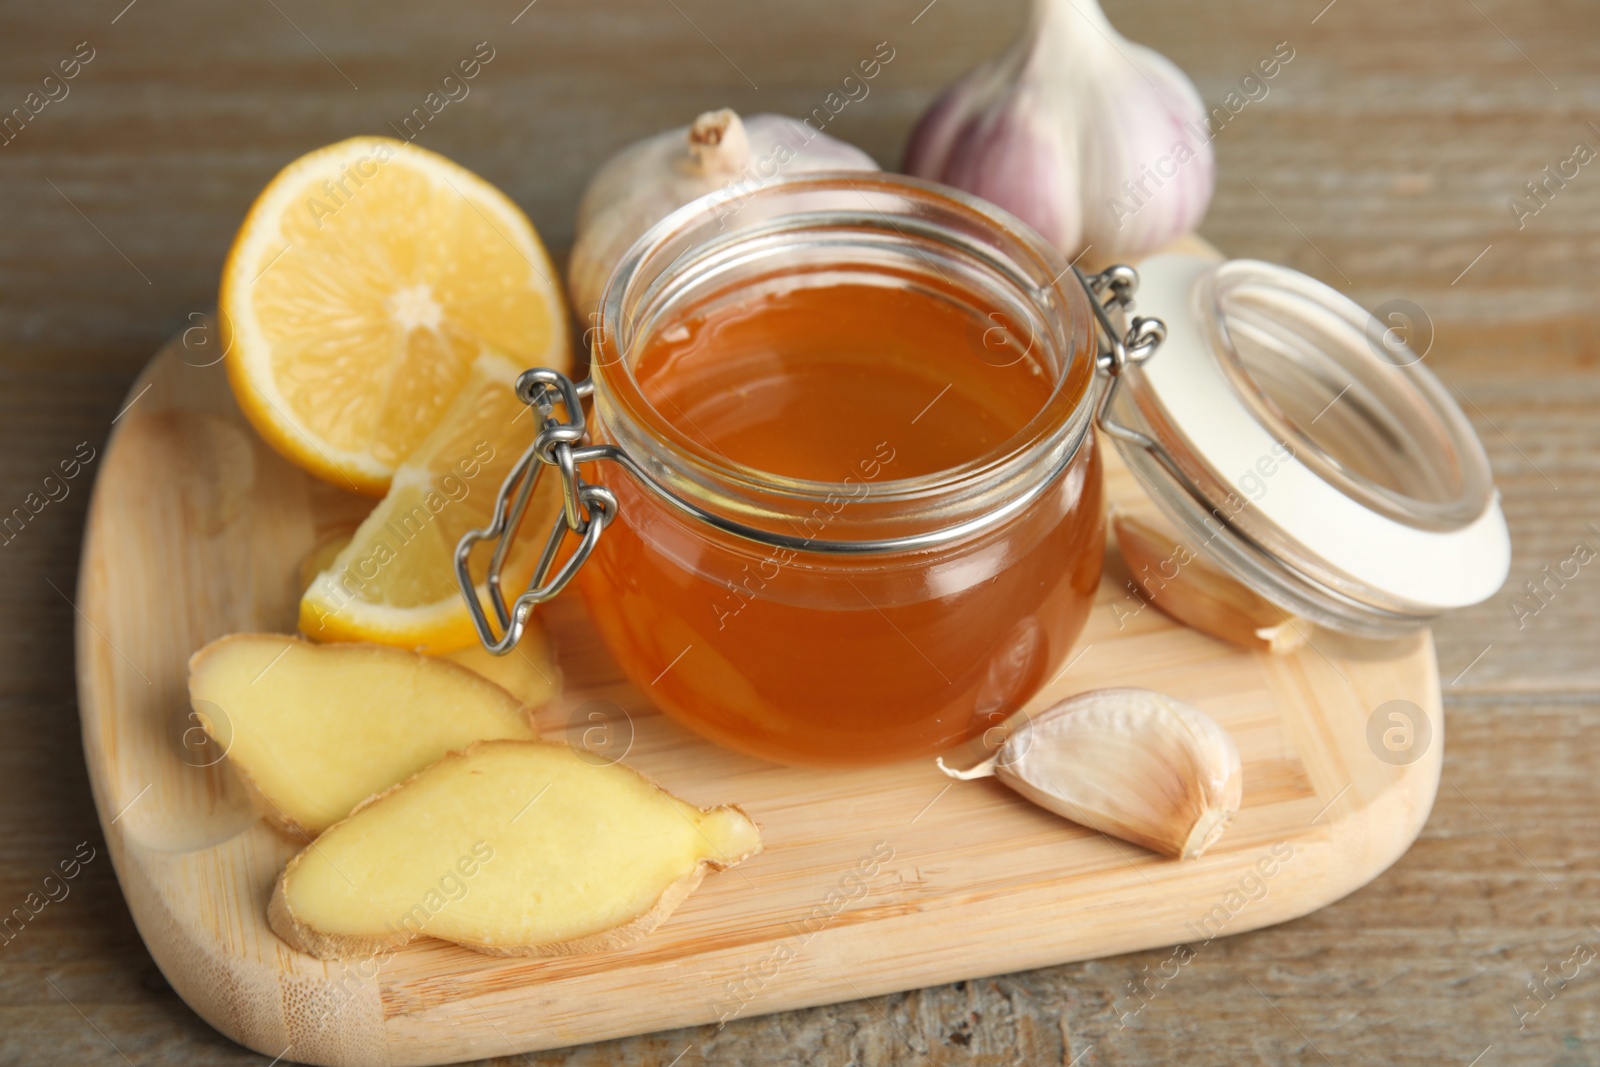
(1131, 763)
(1091, 139)
(937, 132)
(1130, 206)
(1021, 161)
(1184, 585)
(648, 180)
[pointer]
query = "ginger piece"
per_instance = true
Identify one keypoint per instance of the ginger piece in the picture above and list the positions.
(511, 848)
(528, 671)
(316, 729)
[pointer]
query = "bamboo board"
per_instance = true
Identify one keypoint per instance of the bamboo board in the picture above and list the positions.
(872, 881)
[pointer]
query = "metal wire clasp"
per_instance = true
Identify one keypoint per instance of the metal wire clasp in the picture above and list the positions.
(585, 510)
(1111, 294)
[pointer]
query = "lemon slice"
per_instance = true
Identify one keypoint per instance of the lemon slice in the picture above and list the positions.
(528, 672)
(394, 583)
(364, 282)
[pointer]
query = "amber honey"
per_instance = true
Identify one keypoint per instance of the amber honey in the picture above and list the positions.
(852, 394)
(810, 382)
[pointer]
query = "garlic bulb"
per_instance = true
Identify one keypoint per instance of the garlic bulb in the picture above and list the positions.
(648, 180)
(1131, 763)
(1094, 141)
(1185, 586)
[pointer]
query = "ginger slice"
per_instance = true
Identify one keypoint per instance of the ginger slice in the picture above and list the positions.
(316, 729)
(512, 848)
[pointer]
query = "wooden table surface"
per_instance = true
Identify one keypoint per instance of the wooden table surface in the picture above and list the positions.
(1382, 160)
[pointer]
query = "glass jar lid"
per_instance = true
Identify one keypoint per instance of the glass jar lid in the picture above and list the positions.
(1307, 449)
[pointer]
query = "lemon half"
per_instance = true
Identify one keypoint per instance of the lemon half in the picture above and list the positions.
(367, 279)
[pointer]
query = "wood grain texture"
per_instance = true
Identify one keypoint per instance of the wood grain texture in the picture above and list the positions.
(197, 530)
(1381, 161)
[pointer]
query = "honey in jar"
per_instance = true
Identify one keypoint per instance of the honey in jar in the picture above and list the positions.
(863, 521)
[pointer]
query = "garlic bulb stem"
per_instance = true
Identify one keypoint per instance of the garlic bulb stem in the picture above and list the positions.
(650, 179)
(718, 145)
(1059, 16)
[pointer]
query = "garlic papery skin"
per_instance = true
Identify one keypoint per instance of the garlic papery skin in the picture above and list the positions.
(1096, 142)
(650, 179)
(1132, 763)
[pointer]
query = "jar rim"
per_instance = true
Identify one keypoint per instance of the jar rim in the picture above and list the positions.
(1400, 397)
(870, 204)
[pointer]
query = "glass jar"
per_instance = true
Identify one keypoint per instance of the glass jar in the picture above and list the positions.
(809, 582)
(888, 611)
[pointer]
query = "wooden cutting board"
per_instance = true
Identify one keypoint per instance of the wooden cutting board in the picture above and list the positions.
(872, 881)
